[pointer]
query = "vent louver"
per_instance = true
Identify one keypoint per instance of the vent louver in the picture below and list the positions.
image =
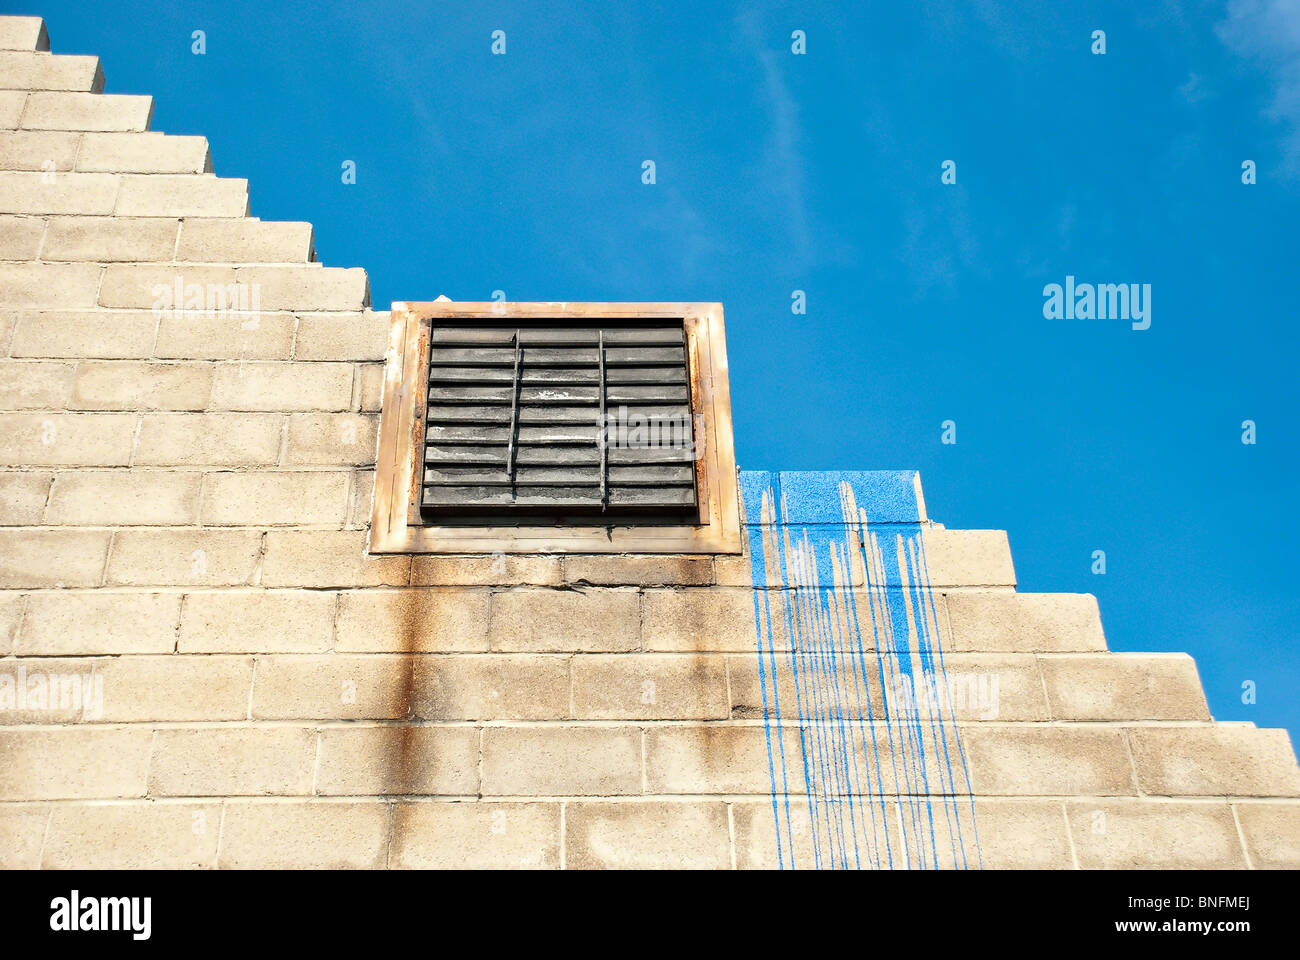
(540, 423)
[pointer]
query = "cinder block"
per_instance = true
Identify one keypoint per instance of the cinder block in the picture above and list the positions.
(738, 571)
(62, 691)
(235, 336)
(271, 288)
(1003, 687)
(332, 687)
(131, 385)
(1272, 834)
(11, 616)
(73, 763)
(244, 241)
(209, 439)
(355, 336)
(986, 687)
(363, 492)
(132, 836)
(638, 571)
(310, 835)
(1047, 761)
(756, 836)
(124, 498)
(412, 621)
(22, 497)
(65, 193)
(283, 386)
(372, 387)
(191, 291)
(716, 759)
(48, 285)
(492, 687)
(20, 70)
(105, 239)
(22, 830)
(309, 287)
(565, 620)
(240, 761)
(35, 384)
(332, 439)
(257, 621)
(733, 571)
(42, 150)
(1114, 686)
(323, 558)
(179, 195)
(482, 835)
(1025, 622)
(504, 570)
(86, 111)
(175, 688)
(649, 687)
(1154, 835)
(561, 761)
(51, 558)
(208, 558)
(11, 108)
(398, 761)
(71, 623)
(1013, 834)
(713, 620)
(968, 558)
(23, 33)
(20, 237)
(647, 835)
(143, 153)
(280, 498)
(84, 334)
(1222, 760)
(66, 439)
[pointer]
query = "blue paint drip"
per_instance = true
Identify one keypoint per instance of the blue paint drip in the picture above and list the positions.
(805, 532)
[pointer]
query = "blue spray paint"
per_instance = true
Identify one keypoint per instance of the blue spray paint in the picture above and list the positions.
(842, 556)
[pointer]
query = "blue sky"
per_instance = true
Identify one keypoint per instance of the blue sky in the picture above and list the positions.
(821, 172)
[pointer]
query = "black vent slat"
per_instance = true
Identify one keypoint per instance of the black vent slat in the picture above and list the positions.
(576, 336)
(625, 455)
(566, 476)
(554, 424)
(462, 455)
(443, 434)
(640, 475)
(561, 376)
(471, 394)
(626, 393)
(547, 496)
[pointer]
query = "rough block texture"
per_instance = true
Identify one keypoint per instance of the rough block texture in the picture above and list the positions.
(202, 666)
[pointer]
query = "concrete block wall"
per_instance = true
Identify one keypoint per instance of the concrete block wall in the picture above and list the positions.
(184, 499)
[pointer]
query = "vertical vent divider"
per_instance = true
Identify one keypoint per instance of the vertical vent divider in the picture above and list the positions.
(514, 414)
(602, 431)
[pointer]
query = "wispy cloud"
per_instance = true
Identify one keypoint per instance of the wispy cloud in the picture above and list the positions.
(1268, 32)
(784, 173)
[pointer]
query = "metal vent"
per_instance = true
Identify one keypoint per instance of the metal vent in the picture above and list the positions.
(532, 423)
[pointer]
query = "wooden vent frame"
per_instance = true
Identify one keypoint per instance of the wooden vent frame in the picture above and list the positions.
(397, 524)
